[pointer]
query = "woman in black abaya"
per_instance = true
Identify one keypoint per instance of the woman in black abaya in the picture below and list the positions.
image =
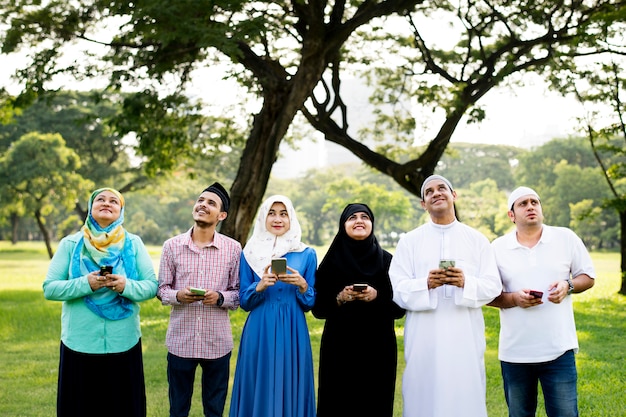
(358, 352)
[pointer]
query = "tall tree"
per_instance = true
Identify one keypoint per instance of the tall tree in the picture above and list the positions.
(282, 51)
(601, 89)
(600, 86)
(39, 172)
(80, 119)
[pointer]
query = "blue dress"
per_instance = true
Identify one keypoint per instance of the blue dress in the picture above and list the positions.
(274, 373)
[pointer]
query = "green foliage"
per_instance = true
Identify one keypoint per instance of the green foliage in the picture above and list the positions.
(80, 118)
(158, 213)
(39, 171)
(7, 107)
(483, 206)
(535, 166)
(309, 198)
(467, 163)
(572, 184)
(170, 128)
(565, 173)
(391, 208)
(71, 224)
(163, 209)
(322, 195)
(595, 226)
(283, 52)
(85, 121)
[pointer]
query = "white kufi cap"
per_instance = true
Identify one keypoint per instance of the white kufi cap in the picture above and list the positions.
(434, 177)
(521, 192)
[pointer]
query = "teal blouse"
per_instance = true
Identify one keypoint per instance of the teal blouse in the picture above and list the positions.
(82, 330)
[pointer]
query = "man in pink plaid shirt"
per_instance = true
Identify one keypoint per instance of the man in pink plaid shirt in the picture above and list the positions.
(199, 279)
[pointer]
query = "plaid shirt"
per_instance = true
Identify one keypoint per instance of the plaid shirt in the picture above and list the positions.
(197, 330)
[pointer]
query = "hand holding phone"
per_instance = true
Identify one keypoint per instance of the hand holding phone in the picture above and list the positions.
(279, 266)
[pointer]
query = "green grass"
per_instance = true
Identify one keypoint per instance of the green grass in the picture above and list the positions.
(30, 329)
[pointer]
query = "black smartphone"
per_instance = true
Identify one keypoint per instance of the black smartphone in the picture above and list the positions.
(106, 269)
(536, 294)
(359, 287)
(279, 266)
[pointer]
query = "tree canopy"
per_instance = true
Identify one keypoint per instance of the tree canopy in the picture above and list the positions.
(292, 56)
(39, 177)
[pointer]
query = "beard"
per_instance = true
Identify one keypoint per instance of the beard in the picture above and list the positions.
(201, 224)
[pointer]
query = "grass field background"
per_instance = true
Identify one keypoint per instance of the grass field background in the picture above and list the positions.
(30, 330)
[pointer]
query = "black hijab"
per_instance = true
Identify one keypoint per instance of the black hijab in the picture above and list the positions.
(354, 259)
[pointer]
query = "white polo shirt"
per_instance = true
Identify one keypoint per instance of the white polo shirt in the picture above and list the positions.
(544, 332)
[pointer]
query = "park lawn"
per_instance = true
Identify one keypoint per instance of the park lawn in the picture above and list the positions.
(30, 329)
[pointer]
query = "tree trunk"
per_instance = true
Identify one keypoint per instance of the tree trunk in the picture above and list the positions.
(283, 97)
(622, 219)
(15, 219)
(81, 212)
(44, 232)
(247, 191)
(258, 157)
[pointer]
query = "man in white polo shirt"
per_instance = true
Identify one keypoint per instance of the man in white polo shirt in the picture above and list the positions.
(540, 267)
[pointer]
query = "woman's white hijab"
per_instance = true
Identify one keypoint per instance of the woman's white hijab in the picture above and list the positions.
(264, 245)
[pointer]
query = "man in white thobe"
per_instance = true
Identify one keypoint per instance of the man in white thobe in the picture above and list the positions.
(444, 332)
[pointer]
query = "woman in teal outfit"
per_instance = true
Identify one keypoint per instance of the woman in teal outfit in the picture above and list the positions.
(101, 365)
(274, 376)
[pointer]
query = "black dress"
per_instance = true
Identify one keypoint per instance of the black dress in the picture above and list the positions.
(358, 352)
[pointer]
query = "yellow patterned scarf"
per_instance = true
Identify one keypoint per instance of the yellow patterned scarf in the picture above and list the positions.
(107, 246)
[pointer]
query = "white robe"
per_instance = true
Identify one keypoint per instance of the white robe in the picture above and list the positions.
(444, 333)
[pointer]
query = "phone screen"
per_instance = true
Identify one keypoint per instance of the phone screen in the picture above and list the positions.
(359, 287)
(279, 266)
(446, 263)
(197, 291)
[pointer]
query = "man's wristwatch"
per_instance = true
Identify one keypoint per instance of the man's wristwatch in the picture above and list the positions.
(571, 286)
(220, 299)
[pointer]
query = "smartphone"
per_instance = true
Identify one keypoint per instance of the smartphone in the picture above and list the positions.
(445, 263)
(279, 266)
(536, 294)
(106, 269)
(359, 287)
(197, 291)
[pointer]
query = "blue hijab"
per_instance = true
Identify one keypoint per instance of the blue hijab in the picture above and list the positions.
(107, 246)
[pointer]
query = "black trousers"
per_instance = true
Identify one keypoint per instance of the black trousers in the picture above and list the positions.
(99, 385)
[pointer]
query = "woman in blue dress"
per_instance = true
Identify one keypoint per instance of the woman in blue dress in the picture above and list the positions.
(274, 373)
